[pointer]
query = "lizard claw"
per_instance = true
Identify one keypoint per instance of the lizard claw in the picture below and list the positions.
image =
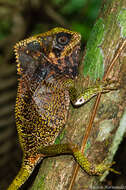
(100, 168)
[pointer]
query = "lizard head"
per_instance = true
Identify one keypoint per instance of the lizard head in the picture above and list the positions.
(58, 49)
(64, 51)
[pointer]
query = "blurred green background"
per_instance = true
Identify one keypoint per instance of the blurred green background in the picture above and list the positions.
(20, 19)
(37, 16)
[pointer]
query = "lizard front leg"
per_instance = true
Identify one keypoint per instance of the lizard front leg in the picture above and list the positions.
(80, 98)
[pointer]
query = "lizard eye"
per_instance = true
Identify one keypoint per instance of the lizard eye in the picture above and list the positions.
(63, 38)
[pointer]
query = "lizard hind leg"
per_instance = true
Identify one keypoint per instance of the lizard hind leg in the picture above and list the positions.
(24, 173)
(82, 160)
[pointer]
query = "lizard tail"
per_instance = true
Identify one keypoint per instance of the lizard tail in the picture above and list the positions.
(21, 177)
(23, 174)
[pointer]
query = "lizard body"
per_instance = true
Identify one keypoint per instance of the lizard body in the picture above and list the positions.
(47, 65)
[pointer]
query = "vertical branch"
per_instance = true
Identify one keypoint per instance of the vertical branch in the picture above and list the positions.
(95, 107)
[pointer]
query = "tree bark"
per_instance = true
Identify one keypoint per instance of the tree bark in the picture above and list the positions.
(109, 126)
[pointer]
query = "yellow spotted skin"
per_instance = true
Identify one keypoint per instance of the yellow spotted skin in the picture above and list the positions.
(40, 117)
(47, 64)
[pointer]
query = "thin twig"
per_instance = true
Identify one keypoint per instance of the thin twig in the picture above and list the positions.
(116, 56)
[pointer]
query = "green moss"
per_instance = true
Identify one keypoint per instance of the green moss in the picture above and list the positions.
(121, 19)
(93, 62)
(40, 184)
(60, 137)
(88, 145)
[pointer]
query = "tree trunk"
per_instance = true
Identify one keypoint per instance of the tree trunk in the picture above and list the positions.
(109, 126)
